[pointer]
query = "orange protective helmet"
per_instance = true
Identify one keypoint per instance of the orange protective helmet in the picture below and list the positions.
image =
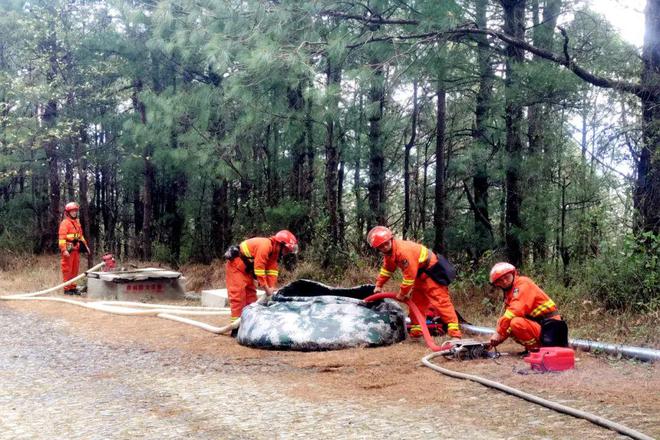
(499, 270)
(71, 206)
(288, 240)
(379, 235)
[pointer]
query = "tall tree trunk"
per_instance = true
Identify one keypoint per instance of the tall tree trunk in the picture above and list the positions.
(646, 195)
(341, 216)
(220, 218)
(297, 104)
(406, 163)
(539, 150)
(307, 193)
(81, 156)
(49, 239)
(149, 175)
(514, 25)
(68, 179)
(357, 178)
(424, 196)
(333, 82)
(439, 212)
(483, 230)
(376, 187)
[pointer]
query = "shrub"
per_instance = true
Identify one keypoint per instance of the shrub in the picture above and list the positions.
(627, 276)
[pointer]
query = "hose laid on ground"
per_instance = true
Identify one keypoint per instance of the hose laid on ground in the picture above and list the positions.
(438, 351)
(426, 360)
(59, 286)
(127, 308)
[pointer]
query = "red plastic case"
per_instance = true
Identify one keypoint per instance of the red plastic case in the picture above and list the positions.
(552, 359)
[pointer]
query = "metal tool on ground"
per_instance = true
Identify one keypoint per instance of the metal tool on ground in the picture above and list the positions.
(470, 349)
(627, 351)
(473, 349)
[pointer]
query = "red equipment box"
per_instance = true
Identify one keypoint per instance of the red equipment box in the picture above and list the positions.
(552, 359)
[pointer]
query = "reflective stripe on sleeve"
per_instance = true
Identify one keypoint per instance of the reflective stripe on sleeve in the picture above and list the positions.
(543, 307)
(246, 250)
(272, 272)
(384, 272)
(260, 272)
(423, 255)
(453, 326)
(408, 282)
(509, 314)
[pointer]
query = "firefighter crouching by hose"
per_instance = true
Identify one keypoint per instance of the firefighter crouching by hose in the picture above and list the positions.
(531, 318)
(255, 258)
(425, 277)
(70, 237)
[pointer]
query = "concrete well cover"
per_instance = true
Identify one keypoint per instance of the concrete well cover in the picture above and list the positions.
(149, 273)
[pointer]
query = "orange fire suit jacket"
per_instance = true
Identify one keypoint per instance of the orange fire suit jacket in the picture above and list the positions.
(409, 257)
(264, 253)
(70, 231)
(525, 300)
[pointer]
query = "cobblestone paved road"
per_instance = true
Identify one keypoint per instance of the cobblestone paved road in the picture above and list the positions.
(58, 385)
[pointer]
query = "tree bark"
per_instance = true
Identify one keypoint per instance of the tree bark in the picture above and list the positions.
(49, 239)
(357, 177)
(220, 218)
(149, 175)
(514, 25)
(439, 212)
(646, 196)
(296, 105)
(406, 163)
(333, 82)
(81, 156)
(376, 188)
(538, 116)
(482, 227)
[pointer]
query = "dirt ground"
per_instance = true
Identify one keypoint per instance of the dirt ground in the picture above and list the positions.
(625, 391)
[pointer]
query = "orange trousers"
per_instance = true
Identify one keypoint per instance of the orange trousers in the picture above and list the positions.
(427, 294)
(526, 332)
(240, 286)
(70, 266)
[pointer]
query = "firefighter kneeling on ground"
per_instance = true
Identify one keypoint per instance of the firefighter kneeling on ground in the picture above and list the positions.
(70, 237)
(531, 318)
(255, 258)
(425, 278)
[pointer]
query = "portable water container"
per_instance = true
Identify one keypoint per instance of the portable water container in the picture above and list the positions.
(552, 359)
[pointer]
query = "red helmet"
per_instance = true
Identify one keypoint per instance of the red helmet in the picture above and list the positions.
(379, 235)
(71, 206)
(499, 270)
(288, 240)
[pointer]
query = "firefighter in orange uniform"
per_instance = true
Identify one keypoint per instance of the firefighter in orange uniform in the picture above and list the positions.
(70, 237)
(528, 310)
(419, 280)
(255, 258)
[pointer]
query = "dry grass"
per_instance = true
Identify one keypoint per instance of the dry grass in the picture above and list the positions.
(372, 376)
(482, 306)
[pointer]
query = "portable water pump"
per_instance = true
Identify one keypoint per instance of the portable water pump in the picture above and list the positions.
(469, 349)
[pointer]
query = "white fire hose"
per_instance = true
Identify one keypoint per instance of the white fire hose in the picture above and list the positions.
(128, 308)
(601, 421)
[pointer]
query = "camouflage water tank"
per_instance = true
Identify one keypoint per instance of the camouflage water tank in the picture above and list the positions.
(310, 316)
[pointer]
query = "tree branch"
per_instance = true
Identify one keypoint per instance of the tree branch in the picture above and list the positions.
(565, 60)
